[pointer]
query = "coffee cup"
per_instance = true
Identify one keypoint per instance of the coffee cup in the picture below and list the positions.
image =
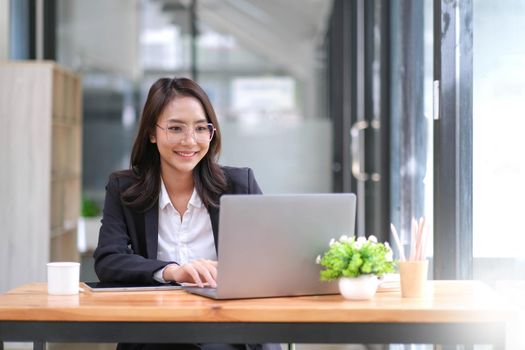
(63, 278)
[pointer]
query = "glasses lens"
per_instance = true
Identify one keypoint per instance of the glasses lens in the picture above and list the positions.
(175, 132)
(202, 132)
(211, 129)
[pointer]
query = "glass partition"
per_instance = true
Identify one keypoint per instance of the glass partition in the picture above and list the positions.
(261, 65)
(498, 161)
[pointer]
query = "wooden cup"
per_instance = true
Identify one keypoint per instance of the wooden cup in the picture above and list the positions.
(413, 275)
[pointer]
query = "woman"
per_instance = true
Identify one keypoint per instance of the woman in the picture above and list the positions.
(160, 220)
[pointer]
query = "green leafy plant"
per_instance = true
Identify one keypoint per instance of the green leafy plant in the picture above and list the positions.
(348, 257)
(89, 208)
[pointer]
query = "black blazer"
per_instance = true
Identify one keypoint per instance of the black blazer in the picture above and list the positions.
(128, 239)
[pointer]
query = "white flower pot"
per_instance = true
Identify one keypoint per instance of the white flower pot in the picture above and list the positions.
(359, 288)
(87, 233)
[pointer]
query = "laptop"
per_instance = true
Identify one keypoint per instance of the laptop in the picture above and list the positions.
(268, 244)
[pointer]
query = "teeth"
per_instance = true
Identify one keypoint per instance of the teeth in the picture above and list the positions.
(186, 154)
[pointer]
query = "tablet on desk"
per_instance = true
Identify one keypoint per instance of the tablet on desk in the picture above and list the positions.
(127, 287)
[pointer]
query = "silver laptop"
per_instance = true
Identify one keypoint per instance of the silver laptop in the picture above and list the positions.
(268, 243)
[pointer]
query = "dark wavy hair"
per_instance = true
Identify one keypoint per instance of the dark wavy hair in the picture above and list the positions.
(208, 176)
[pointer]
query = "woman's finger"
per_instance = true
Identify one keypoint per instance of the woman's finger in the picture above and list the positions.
(203, 268)
(212, 268)
(194, 274)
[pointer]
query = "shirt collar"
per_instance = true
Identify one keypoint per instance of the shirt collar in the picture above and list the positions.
(195, 199)
(164, 198)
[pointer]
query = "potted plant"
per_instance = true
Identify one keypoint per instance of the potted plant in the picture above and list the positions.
(88, 225)
(357, 264)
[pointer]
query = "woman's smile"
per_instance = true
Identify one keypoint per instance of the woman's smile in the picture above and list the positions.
(186, 154)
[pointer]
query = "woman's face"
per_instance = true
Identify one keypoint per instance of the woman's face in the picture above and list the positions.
(180, 147)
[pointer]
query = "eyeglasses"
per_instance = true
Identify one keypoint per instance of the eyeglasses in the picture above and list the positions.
(176, 132)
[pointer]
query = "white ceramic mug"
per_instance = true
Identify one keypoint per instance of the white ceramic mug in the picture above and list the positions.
(63, 278)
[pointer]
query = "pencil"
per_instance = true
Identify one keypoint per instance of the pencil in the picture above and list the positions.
(398, 242)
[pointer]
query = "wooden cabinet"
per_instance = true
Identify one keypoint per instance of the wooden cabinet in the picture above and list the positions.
(40, 160)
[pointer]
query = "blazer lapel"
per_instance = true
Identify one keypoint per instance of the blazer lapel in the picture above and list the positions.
(214, 217)
(152, 231)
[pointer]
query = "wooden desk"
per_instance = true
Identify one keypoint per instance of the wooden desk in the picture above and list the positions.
(454, 312)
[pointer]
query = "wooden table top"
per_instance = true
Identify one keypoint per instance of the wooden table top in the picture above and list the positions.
(446, 301)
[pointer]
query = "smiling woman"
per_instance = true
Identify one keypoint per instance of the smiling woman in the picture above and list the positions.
(161, 216)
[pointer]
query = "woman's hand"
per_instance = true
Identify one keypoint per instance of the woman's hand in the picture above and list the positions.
(198, 271)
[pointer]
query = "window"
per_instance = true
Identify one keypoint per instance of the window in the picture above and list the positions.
(498, 142)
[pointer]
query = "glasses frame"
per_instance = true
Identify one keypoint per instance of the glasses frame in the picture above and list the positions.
(192, 132)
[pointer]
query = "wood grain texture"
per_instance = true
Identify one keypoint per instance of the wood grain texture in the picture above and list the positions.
(446, 301)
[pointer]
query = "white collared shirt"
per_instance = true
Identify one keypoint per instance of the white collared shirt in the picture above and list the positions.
(183, 240)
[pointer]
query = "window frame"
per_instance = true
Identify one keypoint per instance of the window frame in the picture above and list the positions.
(453, 236)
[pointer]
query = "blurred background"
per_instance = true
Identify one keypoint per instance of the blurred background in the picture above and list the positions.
(315, 96)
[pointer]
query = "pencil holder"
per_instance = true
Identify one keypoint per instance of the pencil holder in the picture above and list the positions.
(413, 275)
